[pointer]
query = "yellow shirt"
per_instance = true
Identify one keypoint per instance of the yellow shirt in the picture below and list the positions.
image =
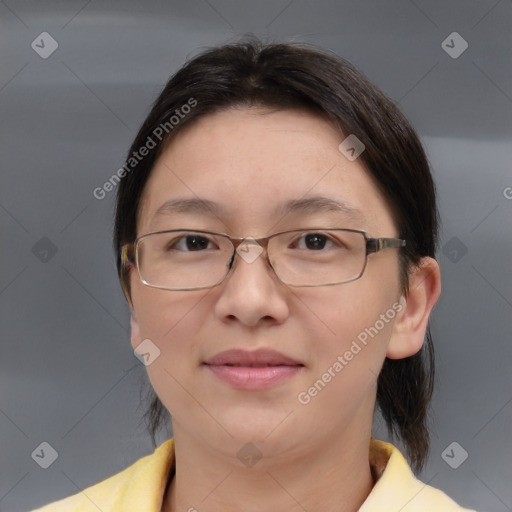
(141, 486)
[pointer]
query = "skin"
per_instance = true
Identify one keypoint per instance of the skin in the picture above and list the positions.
(314, 456)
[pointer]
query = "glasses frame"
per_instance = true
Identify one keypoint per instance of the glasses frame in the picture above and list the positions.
(130, 252)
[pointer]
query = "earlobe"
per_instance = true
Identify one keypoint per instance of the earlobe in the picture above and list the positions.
(135, 330)
(411, 324)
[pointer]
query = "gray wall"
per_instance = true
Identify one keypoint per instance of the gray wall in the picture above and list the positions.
(68, 375)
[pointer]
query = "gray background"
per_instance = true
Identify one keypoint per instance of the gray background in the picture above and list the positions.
(68, 375)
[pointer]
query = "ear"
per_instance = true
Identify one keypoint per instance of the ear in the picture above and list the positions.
(135, 330)
(411, 323)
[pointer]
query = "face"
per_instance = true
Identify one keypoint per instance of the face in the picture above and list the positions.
(251, 162)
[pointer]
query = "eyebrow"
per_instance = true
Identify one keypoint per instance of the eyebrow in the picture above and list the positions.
(318, 203)
(307, 205)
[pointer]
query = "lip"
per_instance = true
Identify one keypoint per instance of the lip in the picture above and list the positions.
(260, 369)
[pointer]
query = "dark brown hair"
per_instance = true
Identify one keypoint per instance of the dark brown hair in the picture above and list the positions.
(295, 76)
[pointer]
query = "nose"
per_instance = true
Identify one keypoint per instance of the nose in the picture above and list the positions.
(251, 292)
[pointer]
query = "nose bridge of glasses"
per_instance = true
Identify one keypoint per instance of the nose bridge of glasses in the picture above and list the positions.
(249, 249)
(237, 242)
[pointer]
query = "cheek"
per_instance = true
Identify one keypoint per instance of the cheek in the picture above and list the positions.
(348, 355)
(354, 320)
(165, 316)
(172, 321)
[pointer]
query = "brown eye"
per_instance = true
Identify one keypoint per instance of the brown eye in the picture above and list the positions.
(313, 241)
(189, 243)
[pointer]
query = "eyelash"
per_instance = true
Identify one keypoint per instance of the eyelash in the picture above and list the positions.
(177, 241)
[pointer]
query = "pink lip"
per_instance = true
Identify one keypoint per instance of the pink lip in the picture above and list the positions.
(256, 370)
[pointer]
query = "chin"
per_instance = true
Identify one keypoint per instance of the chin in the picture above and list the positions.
(265, 427)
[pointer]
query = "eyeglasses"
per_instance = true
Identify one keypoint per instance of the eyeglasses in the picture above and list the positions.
(180, 259)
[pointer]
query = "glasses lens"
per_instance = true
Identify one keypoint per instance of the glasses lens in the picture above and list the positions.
(318, 257)
(183, 259)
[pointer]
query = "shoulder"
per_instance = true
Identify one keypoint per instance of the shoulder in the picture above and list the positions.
(398, 489)
(138, 487)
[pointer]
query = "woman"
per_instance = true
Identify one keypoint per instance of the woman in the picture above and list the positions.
(275, 233)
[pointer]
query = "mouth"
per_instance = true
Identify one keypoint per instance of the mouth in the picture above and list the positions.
(258, 358)
(256, 370)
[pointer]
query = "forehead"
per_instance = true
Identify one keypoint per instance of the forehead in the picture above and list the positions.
(252, 166)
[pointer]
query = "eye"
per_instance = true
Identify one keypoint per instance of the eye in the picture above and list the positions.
(188, 243)
(313, 241)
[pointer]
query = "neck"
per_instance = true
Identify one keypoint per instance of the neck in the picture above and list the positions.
(331, 477)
